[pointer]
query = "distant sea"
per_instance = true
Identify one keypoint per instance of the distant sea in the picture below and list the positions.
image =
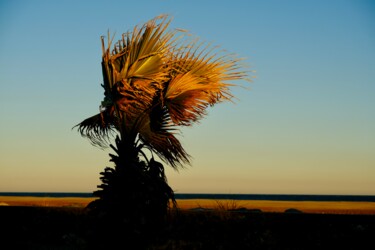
(272, 197)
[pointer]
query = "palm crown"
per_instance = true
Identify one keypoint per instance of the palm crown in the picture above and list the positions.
(154, 81)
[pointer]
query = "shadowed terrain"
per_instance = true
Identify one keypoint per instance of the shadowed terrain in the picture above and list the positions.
(74, 228)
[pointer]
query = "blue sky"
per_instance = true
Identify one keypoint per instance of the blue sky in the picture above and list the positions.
(306, 126)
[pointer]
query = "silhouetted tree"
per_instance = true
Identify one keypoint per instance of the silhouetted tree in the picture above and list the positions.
(154, 80)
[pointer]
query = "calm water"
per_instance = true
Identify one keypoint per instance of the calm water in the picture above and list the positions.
(274, 197)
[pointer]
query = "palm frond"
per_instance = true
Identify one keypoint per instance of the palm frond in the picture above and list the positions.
(166, 146)
(97, 130)
(200, 79)
(141, 53)
(157, 133)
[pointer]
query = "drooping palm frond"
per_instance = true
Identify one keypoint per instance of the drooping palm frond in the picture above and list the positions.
(96, 130)
(156, 131)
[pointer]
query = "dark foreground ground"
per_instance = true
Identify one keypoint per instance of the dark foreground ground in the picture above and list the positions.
(73, 228)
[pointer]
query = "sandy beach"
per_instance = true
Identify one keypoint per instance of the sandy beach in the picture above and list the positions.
(263, 205)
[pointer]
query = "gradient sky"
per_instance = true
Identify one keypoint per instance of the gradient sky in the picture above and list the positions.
(307, 126)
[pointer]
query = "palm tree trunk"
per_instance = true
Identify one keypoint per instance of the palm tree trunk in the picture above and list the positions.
(134, 193)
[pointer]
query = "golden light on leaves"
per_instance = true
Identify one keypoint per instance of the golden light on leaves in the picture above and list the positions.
(156, 79)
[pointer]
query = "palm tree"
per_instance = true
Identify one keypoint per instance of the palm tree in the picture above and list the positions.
(154, 80)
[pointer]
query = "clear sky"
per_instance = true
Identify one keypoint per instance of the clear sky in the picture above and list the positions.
(307, 126)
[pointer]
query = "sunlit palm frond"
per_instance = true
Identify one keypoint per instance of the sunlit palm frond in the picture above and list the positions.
(186, 99)
(200, 80)
(133, 96)
(141, 53)
(135, 70)
(148, 48)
